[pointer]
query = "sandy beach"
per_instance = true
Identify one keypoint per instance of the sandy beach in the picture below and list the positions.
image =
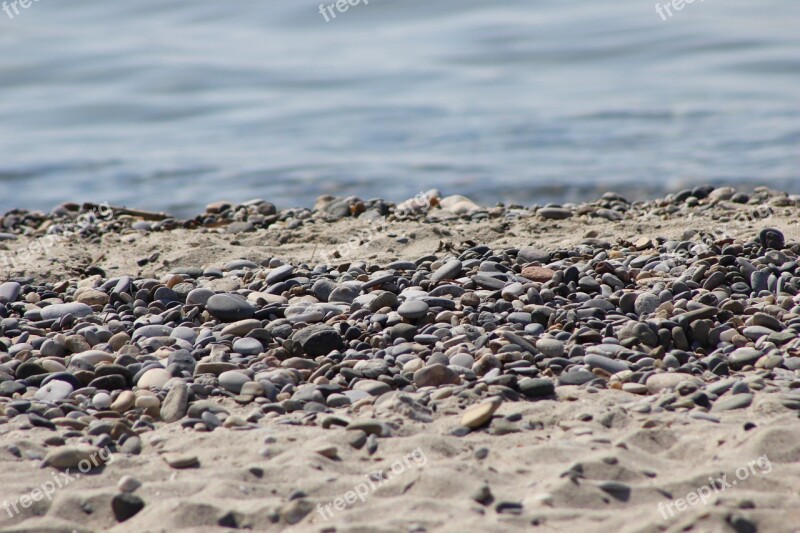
(589, 367)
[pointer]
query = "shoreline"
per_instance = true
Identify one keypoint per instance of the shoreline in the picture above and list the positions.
(594, 366)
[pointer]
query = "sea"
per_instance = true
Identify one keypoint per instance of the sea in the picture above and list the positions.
(168, 105)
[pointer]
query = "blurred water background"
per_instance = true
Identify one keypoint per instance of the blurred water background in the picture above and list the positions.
(169, 104)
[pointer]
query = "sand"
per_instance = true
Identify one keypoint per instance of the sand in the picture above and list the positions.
(583, 461)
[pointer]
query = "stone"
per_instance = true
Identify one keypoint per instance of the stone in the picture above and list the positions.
(229, 308)
(448, 271)
(536, 387)
(538, 274)
(124, 402)
(54, 391)
(612, 366)
(9, 291)
(668, 380)
(155, 378)
(59, 311)
(478, 415)
(646, 304)
(125, 506)
(413, 310)
(128, 484)
(93, 297)
(554, 213)
(435, 375)
(74, 457)
(180, 461)
(233, 381)
(176, 403)
(318, 339)
(736, 401)
(550, 347)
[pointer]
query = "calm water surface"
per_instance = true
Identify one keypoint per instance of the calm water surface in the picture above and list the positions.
(170, 104)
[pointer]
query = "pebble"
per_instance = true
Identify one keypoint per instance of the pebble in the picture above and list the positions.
(229, 307)
(478, 415)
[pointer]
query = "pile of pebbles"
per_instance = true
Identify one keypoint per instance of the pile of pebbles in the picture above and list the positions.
(685, 326)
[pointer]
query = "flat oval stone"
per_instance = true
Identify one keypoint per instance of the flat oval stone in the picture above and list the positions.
(229, 308)
(155, 378)
(57, 311)
(449, 270)
(233, 381)
(413, 310)
(54, 391)
(248, 346)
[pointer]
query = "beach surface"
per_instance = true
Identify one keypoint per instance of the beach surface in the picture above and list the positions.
(485, 398)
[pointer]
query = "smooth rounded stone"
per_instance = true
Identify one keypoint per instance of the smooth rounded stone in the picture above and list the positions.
(519, 318)
(199, 296)
(772, 238)
(669, 380)
(229, 308)
(155, 378)
(742, 357)
(51, 348)
(124, 402)
(9, 291)
(646, 304)
(241, 328)
(233, 381)
(370, 426)
(769, 362)
(435, 375)
(767, 321)
(554, 213)
(59, 311)
(338, 400)
(478, 415)
(279, 274)
(372, 386)
(372, 368)
(413, 309)
(28, 368)
(253, 388)
(536, 387)
(344, 293)
(635, 388)
(180, 461)
(538, 274)
(54, 391)
(92, 297)
(211, 420)
(248, 346)
(380, 299)
(550, 347)
(318, 339)
(72, 456)
(612, 366)
(448, 271)
(736, 401)
(322, 289)
(128, 484)
(576, 377)
(92, 357)
(185, 333)
(464, 360)
(154, 330)
(101, 401)
(213, 367)
(175, 404)
(150, 404)
(756, 332)
(488, 282)
(110, 382)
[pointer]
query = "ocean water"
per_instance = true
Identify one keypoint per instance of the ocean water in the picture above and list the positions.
(169, 104)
